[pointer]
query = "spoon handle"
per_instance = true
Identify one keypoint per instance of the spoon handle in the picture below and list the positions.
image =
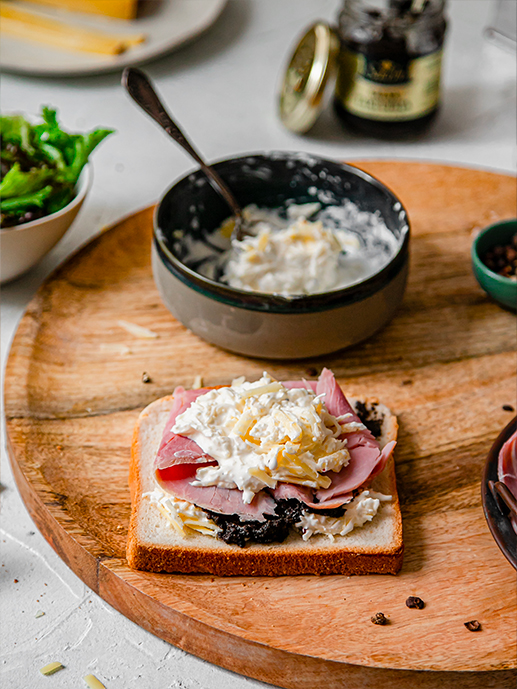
(140, 89)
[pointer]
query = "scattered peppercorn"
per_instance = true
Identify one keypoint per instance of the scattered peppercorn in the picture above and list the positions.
(502, 259)
(508, 407)
(473, 626)
(311, 371)
(146, 378)
(379, 618)
(415, 602)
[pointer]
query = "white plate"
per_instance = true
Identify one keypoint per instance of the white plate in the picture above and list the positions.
(167, 24)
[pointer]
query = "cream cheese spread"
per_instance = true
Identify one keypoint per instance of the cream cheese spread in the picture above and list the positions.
(261, 433)
(297, 256)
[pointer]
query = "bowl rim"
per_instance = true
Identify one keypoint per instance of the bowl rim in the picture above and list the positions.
(487, 499)
(262, 301)
(476, 258)
(83, 186)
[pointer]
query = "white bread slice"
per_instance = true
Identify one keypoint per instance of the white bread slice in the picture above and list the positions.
(153, 545)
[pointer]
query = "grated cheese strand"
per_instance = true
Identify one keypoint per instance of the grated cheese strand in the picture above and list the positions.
(137, 330)
(93, 683)
(51, 668)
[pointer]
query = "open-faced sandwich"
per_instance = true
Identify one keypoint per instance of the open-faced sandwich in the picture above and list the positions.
(265, 478)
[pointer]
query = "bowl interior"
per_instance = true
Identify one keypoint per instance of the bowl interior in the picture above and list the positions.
(191, 210)
(499, 233)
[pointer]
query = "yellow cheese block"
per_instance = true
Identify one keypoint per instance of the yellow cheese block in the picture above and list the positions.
(33, 27)
(120, 9)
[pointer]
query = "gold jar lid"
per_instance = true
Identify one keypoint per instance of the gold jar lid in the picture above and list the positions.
(312, 64)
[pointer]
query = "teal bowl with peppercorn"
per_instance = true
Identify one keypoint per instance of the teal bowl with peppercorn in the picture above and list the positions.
(494, 250)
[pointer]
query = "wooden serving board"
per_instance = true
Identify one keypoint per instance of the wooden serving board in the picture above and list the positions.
(445, 365)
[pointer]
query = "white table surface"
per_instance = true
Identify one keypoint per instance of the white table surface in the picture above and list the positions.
(222, 89)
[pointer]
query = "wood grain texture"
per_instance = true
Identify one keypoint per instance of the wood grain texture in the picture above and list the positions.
(445, 365)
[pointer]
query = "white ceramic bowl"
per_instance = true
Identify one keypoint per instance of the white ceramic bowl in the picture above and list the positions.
(21, 247)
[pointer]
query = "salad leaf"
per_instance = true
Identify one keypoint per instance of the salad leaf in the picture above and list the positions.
(16, 130)
(41, 158)
(18, 183)
(19, 203)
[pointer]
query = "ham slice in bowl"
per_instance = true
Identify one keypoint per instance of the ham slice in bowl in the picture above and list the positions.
(507, 469)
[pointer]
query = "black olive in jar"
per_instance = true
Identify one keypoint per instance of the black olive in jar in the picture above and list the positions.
(388, 82)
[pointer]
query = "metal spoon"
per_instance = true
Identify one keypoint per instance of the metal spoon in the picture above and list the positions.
(139, 87)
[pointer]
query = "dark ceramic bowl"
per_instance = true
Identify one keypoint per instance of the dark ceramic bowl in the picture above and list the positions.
(495, 513)
(268, 325)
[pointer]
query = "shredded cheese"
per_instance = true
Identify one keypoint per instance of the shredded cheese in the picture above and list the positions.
(39, 28)
(261, 433)
(182, 515)
(93, 683)
(51, 668)
(137, 330)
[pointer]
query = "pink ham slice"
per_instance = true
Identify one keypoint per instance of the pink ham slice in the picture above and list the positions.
(507, 464)
(184, 455)
(366, 460)
(222, 500)
(177, 449)
(507, 469)
(305, 494)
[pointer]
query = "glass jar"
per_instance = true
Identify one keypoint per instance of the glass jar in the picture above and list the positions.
(389, 65)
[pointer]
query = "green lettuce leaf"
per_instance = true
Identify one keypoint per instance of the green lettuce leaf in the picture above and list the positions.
(18, 183)
(15, 129)
(21, 202)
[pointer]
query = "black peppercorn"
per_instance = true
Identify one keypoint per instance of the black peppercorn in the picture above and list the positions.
(502, 259)
(473, 626)
(146, 378)
(379, 618)
(415, 602)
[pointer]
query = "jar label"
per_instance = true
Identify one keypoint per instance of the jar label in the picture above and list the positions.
(386, 90)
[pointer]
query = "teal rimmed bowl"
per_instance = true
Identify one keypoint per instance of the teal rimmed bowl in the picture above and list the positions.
(501, 289)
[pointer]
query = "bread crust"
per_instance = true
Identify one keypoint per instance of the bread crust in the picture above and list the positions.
(305, 557)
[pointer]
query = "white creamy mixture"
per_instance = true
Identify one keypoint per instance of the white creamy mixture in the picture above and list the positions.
(298, 256)
(261, 433)
(362, 509)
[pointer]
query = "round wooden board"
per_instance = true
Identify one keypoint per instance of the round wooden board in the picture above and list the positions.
(445, 365)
